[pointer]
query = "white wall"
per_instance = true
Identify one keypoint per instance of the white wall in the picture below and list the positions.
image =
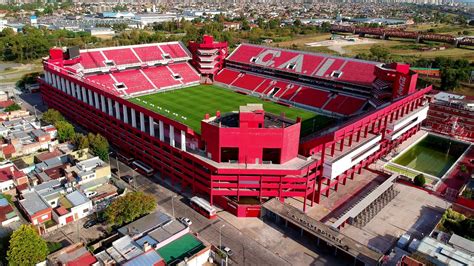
(341, 164)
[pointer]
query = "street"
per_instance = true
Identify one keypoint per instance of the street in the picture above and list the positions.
(246, 251)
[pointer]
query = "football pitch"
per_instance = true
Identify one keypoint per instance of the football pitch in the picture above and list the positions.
(189, 105)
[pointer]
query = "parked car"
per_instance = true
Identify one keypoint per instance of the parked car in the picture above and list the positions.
(227, 250)
(185, 221)
(90, 223)
(127, 178)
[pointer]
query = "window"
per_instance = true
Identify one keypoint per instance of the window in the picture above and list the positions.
(85, 210)
(44, 217)
(271, 155)
(229, 154)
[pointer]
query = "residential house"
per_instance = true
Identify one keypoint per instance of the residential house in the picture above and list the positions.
(11, 177)
(52, 200)
(7, 213)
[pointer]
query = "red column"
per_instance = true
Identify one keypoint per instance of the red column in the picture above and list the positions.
(366, 131)
(358, 135)
(350, 139)
(341, 146)
(333, 147)
(337, 184)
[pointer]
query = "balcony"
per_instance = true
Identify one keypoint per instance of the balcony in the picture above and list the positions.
(400, 126)
(342, 161)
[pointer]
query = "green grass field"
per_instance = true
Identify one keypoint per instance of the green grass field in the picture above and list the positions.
(194, 102)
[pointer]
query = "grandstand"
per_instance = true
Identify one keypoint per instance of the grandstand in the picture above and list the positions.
(275, 123)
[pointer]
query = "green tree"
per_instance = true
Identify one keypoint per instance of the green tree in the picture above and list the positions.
(65, 131)
(80, 141)
(52, 116)
(129, 207)
(26, 247)
(13, 107)
(99, 146)
(419, 180)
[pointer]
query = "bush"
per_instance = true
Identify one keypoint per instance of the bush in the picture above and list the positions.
(54, 246)
(419, 180)
(13, 107)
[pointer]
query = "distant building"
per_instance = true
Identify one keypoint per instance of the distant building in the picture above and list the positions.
(451, 114)
(100, 31)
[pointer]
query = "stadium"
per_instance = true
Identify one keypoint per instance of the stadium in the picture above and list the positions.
(239, 128)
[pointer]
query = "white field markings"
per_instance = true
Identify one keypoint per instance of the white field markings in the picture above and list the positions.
(162, 109)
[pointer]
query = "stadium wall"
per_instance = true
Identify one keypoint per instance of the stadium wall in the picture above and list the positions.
(194, 173)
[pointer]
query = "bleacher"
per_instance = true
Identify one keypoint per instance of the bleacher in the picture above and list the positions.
(175, 50)
(104, 82)
(186, 71)
(226, 76)
(134, 80)
(248, 82)
(161, 77)
(134, 55)
(312, 97)
(121, 56)
(317, 66)
(92, 59)
(345, 105)
(289, 91)
(149, 53)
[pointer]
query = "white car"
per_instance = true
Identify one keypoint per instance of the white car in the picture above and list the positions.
(186, 221)
(227, 251)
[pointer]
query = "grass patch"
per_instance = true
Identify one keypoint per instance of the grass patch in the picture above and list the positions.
(402, 171)
(194, 102)
(54, 246)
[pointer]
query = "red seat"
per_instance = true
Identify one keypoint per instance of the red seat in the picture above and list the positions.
(312, 97)
(187, 72)
(92, 60)
(175, 50)
(121, 56)
(161, 76)
(134, 80)
(149, 53)
(226, 76)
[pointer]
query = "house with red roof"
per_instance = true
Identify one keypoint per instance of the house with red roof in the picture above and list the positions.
(11, 177)
(7, 213)
(73, 255)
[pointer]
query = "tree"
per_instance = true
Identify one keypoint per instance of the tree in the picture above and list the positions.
(13, 107)
(99, 146)
(129, 207)
(26, 247)
(65, 131)
(80, 141)
(52, 116)
(419, 180)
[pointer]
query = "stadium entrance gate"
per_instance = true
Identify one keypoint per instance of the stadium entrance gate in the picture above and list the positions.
(290, 218)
